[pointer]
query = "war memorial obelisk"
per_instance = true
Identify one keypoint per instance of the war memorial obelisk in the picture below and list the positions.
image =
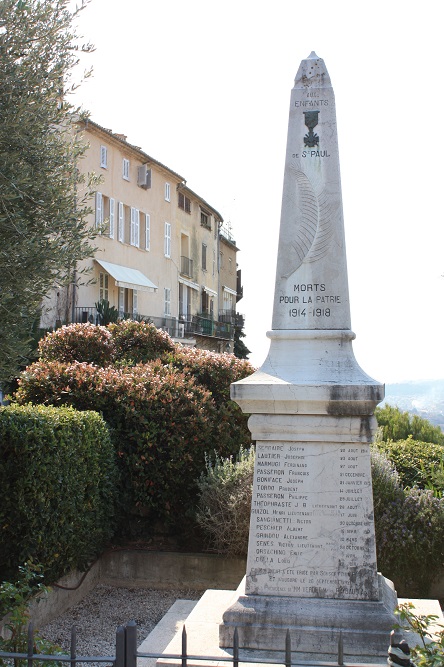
(311, 563)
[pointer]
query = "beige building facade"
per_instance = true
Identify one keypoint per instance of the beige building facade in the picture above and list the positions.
(163, 253)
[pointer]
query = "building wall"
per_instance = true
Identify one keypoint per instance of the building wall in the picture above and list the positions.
(193, 284)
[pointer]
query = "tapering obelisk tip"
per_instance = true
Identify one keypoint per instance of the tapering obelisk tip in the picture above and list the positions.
(312, 72)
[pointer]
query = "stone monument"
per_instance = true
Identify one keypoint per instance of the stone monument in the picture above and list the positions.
(311, 557)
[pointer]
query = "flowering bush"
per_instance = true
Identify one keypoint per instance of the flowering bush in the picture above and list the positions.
(78, 342)
(139, 342)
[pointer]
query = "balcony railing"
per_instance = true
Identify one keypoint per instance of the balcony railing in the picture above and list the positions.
(187, 326)
(186, 266)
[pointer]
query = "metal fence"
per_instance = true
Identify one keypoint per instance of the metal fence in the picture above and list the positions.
(127, 655)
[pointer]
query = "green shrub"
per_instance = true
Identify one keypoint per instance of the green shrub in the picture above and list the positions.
(162, 414)
(161, 422)
(410, 541)
(138, 342)
(417, 463)
(385, 481)
(78, 342)
(399, 425)
(57, 483)
(225, 500)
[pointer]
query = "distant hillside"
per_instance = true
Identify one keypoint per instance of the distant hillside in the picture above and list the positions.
(425, 398)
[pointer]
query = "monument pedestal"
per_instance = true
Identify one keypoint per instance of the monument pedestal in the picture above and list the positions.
(314, 624)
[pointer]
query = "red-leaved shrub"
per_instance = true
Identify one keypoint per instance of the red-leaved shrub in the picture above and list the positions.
(161, 422)
(78, 342)
(138, 342)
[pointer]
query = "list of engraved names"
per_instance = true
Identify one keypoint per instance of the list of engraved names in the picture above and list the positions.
(312, 525)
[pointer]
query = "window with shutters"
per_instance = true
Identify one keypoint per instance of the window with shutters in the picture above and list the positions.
(147, 231)
(112, 218)
(167, 241)
(183, 202)
(204, 256)
(125, 169)
(135, 227)
(205, 219)
(104, 157)
(167, 192)
(167, 300)
(103, 286)
(120, 222)
(99, 210)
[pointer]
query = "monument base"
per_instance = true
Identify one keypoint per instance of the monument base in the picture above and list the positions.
(315, 624)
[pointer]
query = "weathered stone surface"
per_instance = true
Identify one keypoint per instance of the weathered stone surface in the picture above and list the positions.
(311, 558)
(314, 624)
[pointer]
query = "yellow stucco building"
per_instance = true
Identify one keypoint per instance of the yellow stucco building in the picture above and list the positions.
(163, 253)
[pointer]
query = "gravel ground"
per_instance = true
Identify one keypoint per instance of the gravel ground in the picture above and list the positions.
(98, 615)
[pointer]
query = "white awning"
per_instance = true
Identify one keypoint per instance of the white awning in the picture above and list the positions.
(210, 291)
(229, 290)
(189, 283)
(126, 277)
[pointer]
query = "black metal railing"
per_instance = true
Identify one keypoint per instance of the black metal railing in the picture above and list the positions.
(126, 653)
(187, 326)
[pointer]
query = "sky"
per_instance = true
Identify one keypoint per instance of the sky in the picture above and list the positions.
(204, 87)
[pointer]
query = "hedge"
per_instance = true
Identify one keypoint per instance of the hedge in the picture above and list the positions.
(164, 414)
(57, 486)
(161, 422)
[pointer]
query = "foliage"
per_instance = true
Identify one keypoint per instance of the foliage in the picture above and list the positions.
(164, 413)
(138, 342)
(14, 599)
(44, 199)
(410, 540)
(385, 481)
(160, 419)
(78, 342)
(399, 425)
(57, 485)
(430, 653)
(106, 313)
(225, 500)
(417, 463)
(215, 372)
(240, 351)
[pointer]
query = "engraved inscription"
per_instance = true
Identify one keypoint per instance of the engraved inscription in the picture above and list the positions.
(309, 542)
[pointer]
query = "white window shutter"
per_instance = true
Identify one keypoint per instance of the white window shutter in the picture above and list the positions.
(103, 157)
(135, 311)
(147, 231)
(112, 217)
(99, 209)
(137, 229)
(167, 239)
(121, 223)
(133, 226)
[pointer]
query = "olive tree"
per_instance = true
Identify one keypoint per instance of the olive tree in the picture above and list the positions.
(43, 197)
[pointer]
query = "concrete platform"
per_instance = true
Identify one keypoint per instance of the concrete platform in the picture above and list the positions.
(202, 621)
